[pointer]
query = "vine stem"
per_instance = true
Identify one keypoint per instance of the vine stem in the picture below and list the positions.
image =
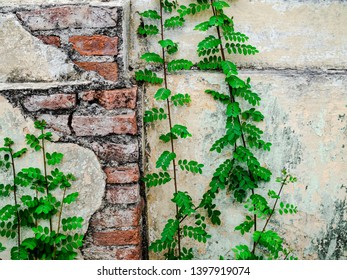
(59, 219)
(272, 211)
(170, 125)
(232, 99)
(15, 195)
(45, 171)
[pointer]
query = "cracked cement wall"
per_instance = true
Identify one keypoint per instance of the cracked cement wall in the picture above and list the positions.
(300, 74)
(66, 62)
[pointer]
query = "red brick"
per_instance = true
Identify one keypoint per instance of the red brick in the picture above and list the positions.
(117, 152)
(51, 102)
(95, 45)
(63, 17)
(111, 99)
(58, 123)
(50, 40)
(108, 70)
(104, 125)
(129, 253)
(115, 217)
(122, 174)
(124, 194)
(117, 237)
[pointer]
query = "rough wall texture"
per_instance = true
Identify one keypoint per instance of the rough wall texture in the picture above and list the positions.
(67, 63)
(300, 74)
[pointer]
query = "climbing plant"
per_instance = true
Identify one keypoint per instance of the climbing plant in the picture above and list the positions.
(242, 174)
(34, 206)
(176, 227)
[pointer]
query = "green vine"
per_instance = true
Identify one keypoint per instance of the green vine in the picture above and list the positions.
(242, 174)
(176, 228)
(33, 213)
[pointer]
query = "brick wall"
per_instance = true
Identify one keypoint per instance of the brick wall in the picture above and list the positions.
(100, 113)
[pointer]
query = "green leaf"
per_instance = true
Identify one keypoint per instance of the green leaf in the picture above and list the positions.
(154, 114)
(54, 158)
(253, 114)
(72, 223)
(192, 9)
(152, 57)
(225, 99)
(70, 198)
(220, 5)
(33, 142)
(180, 99)
(174, 22)
(147, 76)
(148, 30)
(209, 45)
(179, 64)
(180, 131)
(20, 153)
(162, 94)
(184, 203)
(40, 124)
(169, 45)
(235, 36)
(192, 166)
(233, 109)
(229, 68)
(152, 14)
(240, 49)
(210, 63)
(164, 160)
(156, 179)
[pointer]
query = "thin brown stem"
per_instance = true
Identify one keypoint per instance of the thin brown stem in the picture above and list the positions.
(272, 211)
(15, 196)
(232, 99)
(45, 172)
(170, 125)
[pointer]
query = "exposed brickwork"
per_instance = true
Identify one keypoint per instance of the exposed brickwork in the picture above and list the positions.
(104, 125)
(108, 70)
(122, 174)
(123, 194)
(95, 45)
(69, 17)
(111, 99)
(117, 152)
(100, 116)
(52, 102)
(117, 217)
(118, 237)
(50, 40)
(129, 253)
(57, 122)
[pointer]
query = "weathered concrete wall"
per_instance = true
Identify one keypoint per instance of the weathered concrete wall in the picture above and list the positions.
(300, 74)
(66, 62)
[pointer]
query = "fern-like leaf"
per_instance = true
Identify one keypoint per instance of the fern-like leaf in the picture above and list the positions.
(229, 68)
(191, 166)
(164, 160)
(210, 63)
(235, 36)
(180, 99)
(152, 14)
(179, 64)
(241, 49)
(156, 179)
(169, 45)
(225, 99)
(162, 94)
(147, 76)
(174, 22)
(148, 30)
(154, 114)
(209, 45)
(152, 57)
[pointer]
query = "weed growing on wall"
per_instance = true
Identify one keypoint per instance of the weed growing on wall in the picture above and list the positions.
(176, 227)
(242, 174)
(34, 205)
